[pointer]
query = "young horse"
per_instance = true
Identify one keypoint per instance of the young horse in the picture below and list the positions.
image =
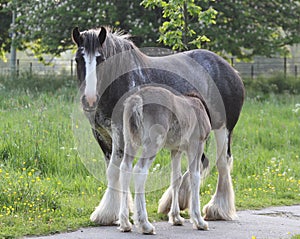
(109, 65)
(154, 118)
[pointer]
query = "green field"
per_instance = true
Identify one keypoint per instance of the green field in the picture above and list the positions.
(45, 188)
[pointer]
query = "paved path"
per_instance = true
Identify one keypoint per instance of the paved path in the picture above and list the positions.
(276, 222)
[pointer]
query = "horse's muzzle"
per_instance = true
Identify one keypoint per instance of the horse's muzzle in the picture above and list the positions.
(88, 106)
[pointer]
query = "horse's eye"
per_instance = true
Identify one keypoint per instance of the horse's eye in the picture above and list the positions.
(79, 60)
(99, 59)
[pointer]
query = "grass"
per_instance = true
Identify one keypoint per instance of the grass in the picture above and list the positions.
(45, 187)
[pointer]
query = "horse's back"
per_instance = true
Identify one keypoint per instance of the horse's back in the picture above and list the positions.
(227, 80)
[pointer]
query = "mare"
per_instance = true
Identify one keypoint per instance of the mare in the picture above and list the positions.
(110, 67)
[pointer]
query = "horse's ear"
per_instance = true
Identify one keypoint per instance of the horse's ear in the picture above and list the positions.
(76, 36)
(102, 35)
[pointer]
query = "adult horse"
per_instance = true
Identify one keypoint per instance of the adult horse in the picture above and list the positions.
(109, 66)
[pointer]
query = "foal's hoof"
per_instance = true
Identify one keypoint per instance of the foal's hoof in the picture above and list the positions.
(126, 228)
(147, 228)
(203, 226)
(176, 220)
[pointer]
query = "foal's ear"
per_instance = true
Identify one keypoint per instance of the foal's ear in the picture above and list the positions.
(102, 35)
(76, 36)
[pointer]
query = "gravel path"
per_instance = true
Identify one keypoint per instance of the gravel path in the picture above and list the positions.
(275, 222)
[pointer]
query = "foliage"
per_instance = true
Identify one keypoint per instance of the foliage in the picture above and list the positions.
(4, 29)
(277, 83)
(241, 28)
(178, 29)
(45, 188)
(45, 26)
(245, 28)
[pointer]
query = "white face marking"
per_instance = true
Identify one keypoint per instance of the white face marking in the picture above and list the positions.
(90, 79)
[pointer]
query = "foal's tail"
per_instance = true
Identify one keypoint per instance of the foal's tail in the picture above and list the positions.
(133, 117)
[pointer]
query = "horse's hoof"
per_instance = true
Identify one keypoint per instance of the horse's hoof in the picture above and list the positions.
(176, 220)
(213, 213)
(203, 226)
(125, 228)
(147, 228)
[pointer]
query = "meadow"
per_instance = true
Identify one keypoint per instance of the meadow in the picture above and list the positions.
(45, 187)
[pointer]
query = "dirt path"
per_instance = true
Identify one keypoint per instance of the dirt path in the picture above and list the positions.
(275, 222)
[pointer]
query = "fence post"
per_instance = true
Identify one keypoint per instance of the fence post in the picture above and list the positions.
(284, 66)
(232, 61)
(296, 71)
(252, 71)
(71, 67)
(30, 68)
(18, 67)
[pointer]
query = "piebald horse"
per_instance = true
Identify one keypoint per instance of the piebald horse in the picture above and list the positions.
(110, 67)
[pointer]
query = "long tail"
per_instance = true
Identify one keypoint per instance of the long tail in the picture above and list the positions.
(133, 116)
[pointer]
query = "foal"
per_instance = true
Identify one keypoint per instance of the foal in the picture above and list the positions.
(154, 118)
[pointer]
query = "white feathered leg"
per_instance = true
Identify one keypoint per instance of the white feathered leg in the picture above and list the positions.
(107, 213)
(221, 206)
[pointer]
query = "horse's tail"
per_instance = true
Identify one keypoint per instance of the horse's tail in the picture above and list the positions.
(133, 117)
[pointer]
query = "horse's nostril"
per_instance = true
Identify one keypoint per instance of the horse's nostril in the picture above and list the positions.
(83, 100)
(89, 104)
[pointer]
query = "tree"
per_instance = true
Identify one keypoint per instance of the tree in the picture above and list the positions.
(245, 28)
(178, 29)
(241, 28)
(5, 39)
(45, 26)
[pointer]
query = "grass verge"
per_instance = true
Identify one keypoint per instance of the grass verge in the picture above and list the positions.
(45, 188)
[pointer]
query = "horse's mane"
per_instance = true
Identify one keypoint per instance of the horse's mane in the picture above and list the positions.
(116, 42)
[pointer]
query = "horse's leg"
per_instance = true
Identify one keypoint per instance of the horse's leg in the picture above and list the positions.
(184, 196)
(221, 206)
(140, 215)
(107, 213)
(184, 191)
(125, 175)
(105, 145)
(176, 176)
(194, 157)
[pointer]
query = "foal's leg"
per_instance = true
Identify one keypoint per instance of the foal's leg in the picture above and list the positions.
(174, 214)
(184, 196)
(140, 215)
(221, 206)
(194, 157)
(125, 175)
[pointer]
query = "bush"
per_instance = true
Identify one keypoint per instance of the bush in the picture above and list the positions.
(36, 83)
(278, 84)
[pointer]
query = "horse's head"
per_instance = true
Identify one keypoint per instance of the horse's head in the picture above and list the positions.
(88, 56)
